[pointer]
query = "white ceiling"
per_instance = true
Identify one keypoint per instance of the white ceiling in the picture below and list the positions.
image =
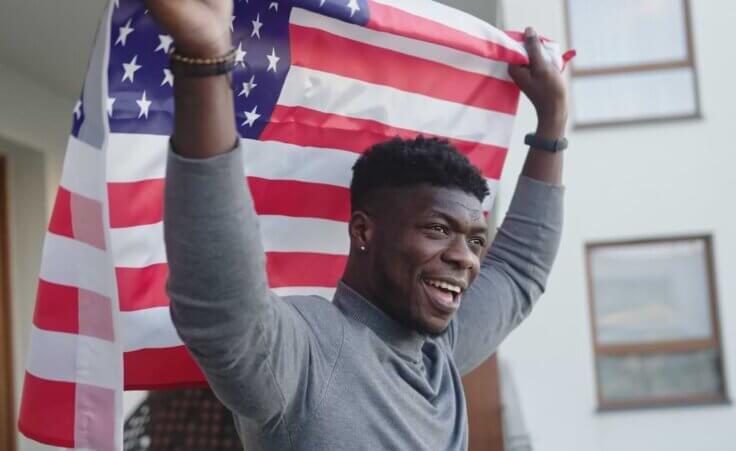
(50, 40)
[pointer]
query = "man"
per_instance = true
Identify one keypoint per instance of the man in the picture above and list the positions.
(422, 300)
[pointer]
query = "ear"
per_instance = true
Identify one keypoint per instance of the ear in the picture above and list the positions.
(361, 229)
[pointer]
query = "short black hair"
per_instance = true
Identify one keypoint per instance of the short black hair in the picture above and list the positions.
(409, 162)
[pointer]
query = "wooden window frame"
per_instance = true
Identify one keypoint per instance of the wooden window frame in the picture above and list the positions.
(7, 387)
(688, 62)
(661, 347)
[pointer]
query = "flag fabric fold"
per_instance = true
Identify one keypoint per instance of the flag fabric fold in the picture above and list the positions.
(316, 82)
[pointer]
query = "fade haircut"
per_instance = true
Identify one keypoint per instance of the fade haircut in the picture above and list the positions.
(408, 162)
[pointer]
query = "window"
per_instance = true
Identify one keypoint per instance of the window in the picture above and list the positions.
(7, 423)
(655, 322)
(635, 61)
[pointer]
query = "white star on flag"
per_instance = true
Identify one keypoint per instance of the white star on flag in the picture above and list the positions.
(110, 103)
(130, 69)
(272, 60)
(274, 6)
(257, 24)
(251, 117)
(240, 55)
(248, 87)
(164, 43)
(143, 104)
(321, 2)
(168, 78)
(78, 109)
(353, 6)
(124, 32)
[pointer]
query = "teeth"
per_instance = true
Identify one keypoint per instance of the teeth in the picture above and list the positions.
(444, 285)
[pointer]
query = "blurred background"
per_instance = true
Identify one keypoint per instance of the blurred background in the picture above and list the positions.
(629, 347)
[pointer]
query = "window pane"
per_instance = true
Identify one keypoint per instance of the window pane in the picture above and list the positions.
(634, 96)
(626, 32)
(637, 377)
(651, 292)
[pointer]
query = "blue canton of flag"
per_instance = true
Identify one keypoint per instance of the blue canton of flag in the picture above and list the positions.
(140, 84)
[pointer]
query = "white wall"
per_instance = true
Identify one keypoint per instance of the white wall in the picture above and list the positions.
(627, 182)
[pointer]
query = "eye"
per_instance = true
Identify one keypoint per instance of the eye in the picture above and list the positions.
(477, 241)
(438, 228)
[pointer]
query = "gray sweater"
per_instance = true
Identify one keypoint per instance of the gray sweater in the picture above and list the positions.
(304, 373)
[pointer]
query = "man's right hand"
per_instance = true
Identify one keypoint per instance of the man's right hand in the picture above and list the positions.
(204, 118)
(200, 28)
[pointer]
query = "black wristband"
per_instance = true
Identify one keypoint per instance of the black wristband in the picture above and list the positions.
(550, 145)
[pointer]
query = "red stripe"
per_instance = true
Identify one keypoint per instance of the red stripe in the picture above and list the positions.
(136, 203)
(300, 199)
(47, 411)
(357, 60)
(149, 369)
(307, 127)
(302, 269)
(61, 216)
(270, 197)
(395, 21)
(140, 288)
(57, 308)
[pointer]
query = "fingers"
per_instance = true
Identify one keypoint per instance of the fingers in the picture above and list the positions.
(520, 75)
(534, 49)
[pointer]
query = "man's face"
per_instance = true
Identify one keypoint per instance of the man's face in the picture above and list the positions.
(425, 250)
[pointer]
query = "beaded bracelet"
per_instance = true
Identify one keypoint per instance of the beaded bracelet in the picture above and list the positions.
(201, 67)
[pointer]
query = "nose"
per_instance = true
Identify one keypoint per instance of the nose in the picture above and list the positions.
(459, 254)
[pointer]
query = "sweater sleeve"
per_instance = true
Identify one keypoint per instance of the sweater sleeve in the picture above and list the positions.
(257, 351)
(513, 274)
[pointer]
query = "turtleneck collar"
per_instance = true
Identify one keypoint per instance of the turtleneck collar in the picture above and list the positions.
(404, 340)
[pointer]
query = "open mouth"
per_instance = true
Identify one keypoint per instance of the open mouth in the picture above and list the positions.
(445, 295)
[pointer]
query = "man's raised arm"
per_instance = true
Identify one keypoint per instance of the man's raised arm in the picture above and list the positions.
(253, 348)
(514, 273)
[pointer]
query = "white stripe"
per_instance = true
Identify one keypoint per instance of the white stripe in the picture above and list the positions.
(270, 160)
(152, 328)
(459, 20)
(148, 328)
(83, 170)
(326, 293)
(67, 357)
(141, 246)
(492, 193)
(280, 161)
(413, 47)
(289, 234)
(134, 158)
(138, 247)
(334, 94)
(67, 261)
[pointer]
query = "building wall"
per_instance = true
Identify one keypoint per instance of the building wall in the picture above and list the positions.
(628, 182)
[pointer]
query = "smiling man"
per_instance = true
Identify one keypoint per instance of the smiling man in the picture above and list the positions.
(419, 229)
(423, 300)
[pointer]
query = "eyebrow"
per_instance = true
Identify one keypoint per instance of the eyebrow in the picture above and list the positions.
(475, 227)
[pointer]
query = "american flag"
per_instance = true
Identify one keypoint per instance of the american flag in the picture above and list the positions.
(316, 82)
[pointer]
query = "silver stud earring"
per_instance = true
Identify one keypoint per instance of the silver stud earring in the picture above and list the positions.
(362, 248)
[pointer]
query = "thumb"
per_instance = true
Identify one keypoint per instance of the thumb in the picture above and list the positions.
(534, 49)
